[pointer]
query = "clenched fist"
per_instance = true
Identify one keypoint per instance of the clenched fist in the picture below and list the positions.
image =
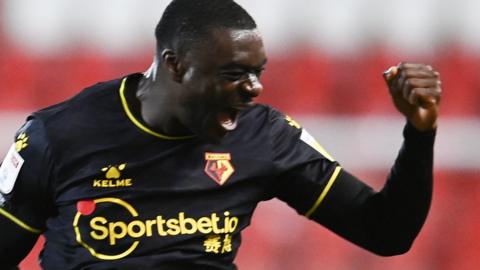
(416, 92)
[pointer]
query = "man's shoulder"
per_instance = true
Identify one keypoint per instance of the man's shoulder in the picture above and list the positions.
(90, 113)
(90, 98)
(261, 111)
(259, 121)
(263, 114)
(269, 121)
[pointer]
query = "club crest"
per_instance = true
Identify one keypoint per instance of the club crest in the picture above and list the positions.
(219, 167)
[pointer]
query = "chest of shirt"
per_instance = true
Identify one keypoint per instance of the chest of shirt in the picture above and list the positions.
(167, 172)
(159, 194)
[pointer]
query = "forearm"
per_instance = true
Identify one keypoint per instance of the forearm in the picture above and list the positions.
(408, 191)
(388, 221)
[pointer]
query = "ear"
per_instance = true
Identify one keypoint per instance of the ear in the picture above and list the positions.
(173, 64)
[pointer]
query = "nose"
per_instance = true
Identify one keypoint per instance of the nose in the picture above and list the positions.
(252, 86)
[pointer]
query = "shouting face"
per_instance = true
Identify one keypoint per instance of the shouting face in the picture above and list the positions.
(221, 78)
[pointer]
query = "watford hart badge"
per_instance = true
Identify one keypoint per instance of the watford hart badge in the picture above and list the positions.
(218, 166)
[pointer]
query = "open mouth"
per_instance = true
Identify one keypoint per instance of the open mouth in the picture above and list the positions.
(228, 118)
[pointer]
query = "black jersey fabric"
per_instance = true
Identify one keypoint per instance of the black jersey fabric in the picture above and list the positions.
(110, 193)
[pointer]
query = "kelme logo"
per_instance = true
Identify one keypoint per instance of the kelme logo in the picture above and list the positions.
(219, 167)
(113, 177)
(109, 238)
(113, 172)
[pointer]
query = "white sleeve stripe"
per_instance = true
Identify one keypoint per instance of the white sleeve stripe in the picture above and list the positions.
(310, 140)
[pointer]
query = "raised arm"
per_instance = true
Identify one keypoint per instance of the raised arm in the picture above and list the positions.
(385, 222)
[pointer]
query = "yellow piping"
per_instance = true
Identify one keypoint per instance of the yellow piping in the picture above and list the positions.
(138, 123)
(19, 222)
(324, 192)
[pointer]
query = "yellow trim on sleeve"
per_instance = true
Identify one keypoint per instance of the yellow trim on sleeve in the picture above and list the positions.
(324, 192)
(19, 222)
(138, 123)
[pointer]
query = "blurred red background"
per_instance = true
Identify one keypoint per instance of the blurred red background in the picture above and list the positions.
(306, 81)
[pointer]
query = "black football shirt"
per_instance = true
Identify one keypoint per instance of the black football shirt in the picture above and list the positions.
(108, 192)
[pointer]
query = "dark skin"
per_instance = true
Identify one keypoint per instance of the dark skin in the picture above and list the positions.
(190, 91)
(194, 93)
(416, 93)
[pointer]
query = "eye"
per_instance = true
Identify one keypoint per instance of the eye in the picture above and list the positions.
(259, 72)
(232, 75)
(240, 74)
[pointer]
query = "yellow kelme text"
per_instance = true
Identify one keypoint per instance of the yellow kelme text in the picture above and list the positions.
(115, 230)
(112, 183)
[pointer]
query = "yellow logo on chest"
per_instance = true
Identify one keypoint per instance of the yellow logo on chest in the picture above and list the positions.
(113, 178)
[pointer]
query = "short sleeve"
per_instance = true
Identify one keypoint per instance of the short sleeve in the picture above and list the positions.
(25, 174)
(305, 170)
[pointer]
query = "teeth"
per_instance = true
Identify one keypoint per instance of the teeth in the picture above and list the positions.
(229, 124)
(227, 119)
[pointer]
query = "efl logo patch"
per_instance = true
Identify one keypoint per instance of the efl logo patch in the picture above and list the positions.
(9, 170)
(219, 167)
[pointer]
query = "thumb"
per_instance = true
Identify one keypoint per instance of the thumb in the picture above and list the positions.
(390, 74)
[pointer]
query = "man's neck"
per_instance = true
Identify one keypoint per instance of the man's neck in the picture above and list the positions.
(156, 105)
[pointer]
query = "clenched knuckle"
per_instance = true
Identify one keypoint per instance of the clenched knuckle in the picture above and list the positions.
(408, 83)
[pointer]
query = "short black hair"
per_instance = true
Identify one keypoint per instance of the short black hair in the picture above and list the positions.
(186, 23)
